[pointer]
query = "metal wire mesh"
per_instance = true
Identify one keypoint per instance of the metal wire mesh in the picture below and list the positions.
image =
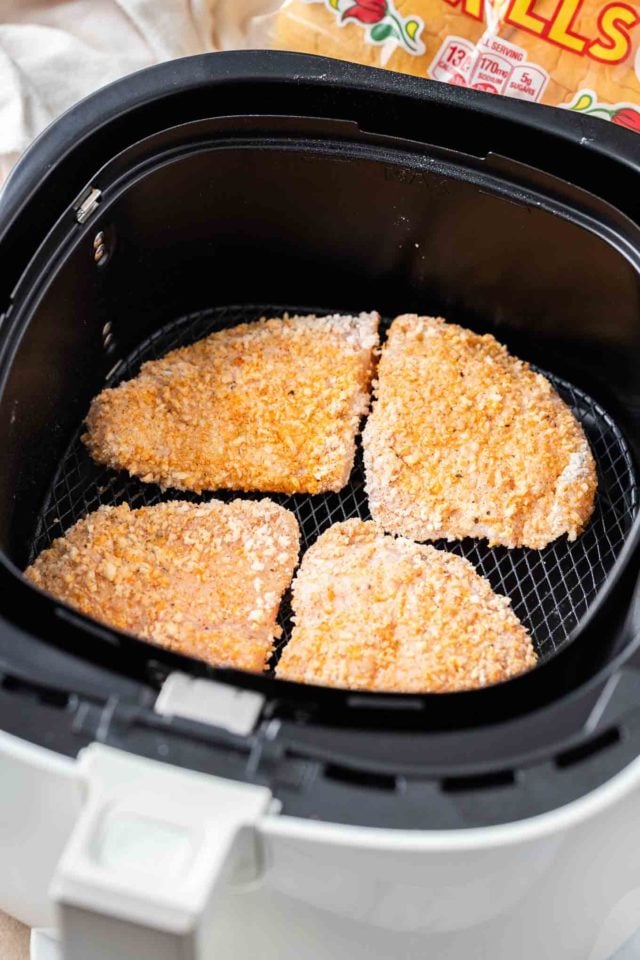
(550, 589)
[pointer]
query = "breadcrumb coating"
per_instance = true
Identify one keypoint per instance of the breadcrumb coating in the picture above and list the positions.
(273, 405)
(376, 612)
(205, 580)
(465, 440)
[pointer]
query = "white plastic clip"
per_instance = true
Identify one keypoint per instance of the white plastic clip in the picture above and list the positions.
(209, 702)
(153, 847)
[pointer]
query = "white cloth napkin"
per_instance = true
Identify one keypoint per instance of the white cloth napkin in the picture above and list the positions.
(54, 52)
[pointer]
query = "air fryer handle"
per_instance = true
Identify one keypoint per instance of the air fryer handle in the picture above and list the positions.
(151, 851)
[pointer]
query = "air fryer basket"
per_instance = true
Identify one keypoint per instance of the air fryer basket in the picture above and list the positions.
(550, 589)
(178, 203)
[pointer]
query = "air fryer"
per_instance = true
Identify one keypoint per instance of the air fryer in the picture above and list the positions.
(214, 191)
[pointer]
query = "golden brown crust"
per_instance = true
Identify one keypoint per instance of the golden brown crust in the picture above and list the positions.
(273, 405)
(465, 440)
(374, 612)
(205, 579)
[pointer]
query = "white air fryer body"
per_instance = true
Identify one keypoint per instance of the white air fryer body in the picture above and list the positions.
(564, 885)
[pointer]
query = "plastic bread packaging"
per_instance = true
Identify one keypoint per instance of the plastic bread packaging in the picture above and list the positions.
(582, 55)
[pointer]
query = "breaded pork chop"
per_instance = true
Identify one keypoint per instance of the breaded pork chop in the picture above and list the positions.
(376, 612)
(465, 440)
(205, 579)
(273, 405)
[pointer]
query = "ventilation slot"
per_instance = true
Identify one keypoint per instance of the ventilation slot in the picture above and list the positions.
(372, 702)
(53, 698)
(483, 781)
(359, 778)
(586, 750)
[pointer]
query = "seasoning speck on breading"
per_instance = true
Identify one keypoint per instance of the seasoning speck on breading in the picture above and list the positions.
(273, 405)
(205, 580)
(376, 612)
(465, 440)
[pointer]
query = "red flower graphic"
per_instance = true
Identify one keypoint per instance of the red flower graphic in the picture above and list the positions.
(366, 11)
(627, 117)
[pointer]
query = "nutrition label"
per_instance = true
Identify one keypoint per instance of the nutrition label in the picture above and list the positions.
(492, 65)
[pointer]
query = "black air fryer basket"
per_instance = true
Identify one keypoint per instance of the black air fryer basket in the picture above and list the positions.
(215, 190)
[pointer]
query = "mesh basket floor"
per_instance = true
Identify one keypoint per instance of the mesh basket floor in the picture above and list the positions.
(550, 589)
